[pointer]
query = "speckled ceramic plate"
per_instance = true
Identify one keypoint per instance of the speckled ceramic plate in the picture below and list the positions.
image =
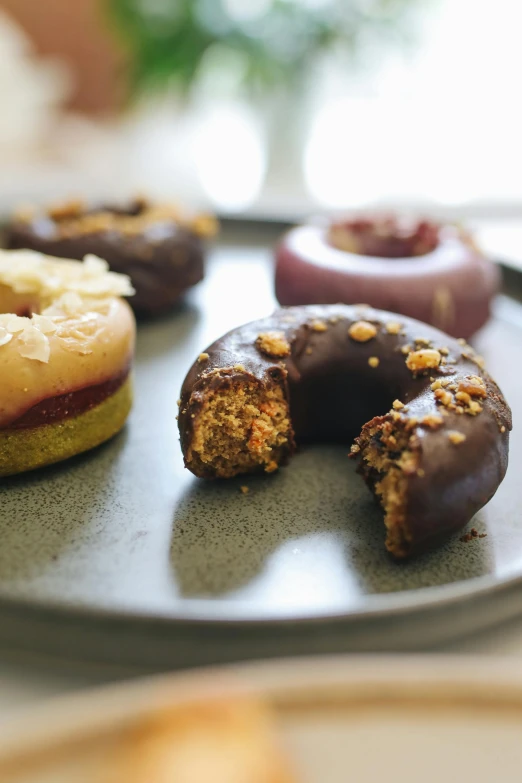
(122, 555)
(336, 720)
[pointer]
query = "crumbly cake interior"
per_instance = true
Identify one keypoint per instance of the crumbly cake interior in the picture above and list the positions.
(242, 427)
(387, 462)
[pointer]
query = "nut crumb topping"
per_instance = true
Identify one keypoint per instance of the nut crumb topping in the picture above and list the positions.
(444, 350)
(473, 386)
(423, 341)
(273, 344)
(354, 449)
(502, 429)
(271, 466)
(319, 326)
(373, 361)
(432, 420)
(406, 349)
(436, 385)
(239, 368)
(393, 327)
(362, 331)
(456, 437)
(425, 359)
(202, 357)
(444, 397)
(244, 489)
(398, 405)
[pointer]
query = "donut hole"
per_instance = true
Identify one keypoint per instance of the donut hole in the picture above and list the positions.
(384, 237)
(241, 427)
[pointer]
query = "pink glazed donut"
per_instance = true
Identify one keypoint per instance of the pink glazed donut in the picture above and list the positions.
(421, 269)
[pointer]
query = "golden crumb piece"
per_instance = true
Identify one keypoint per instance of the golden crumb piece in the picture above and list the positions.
(69, 209)
(271, 466)
(362, 331)
(473, 386)
(425, 359)
(502, 429)
(474, 408)
(273, 344)
(406, 349)
(239, 368)
(444, 351)
(432, 420)
(423, 341)
(436, 385)
(393, 327)
(178, 403)
(444, 397)
(461, 341)
(355, 449)
(244, 489)
(421, 473)
(456, 437)
(205, 225)
(373, 361)
(463, 397)
(319, 326)
(334, 319)
(202, 357)
(397, 405)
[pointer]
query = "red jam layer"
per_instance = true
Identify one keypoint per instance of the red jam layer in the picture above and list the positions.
(64, 406)
(387, 237)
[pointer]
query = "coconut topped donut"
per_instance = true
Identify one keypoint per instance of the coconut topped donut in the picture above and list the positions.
(66, 345)
(426, 270)
(432, 425)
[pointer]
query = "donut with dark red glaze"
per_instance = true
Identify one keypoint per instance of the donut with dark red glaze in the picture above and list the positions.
(421, 269)
(154, 244)
(431, 427)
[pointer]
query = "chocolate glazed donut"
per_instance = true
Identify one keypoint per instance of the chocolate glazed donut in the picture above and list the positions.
(162, 252)
(431, 425)
(421, 269)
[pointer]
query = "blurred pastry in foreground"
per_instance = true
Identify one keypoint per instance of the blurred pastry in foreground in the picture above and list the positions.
(157, 245)
(430, 271)
(211, 742)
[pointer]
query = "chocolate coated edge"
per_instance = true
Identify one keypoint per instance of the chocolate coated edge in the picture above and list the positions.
(457, 480)
(161, 269)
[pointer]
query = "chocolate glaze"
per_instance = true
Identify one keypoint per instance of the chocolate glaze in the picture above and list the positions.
(65, 406)
(163, 260)
(450, 286)
(332, 391)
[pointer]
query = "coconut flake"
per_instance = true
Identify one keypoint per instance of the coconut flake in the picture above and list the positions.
(45, 324)
(35, 345)
(5, 336)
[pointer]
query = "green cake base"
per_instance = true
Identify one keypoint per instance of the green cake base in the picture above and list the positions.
(27, 449)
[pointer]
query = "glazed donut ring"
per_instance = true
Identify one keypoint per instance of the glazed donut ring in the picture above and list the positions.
(156, 245)
(66, 346)
(425, 271)
(432, 425)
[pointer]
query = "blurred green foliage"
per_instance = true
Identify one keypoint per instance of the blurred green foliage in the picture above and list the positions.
(275, 41)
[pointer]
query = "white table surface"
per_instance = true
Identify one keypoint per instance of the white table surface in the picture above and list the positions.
(26, 680)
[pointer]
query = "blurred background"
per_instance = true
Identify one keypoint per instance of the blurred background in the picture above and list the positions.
(268, 108)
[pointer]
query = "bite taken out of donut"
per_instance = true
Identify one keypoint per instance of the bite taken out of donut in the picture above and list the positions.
(426, 270)
(66, 348)
(431, 427)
